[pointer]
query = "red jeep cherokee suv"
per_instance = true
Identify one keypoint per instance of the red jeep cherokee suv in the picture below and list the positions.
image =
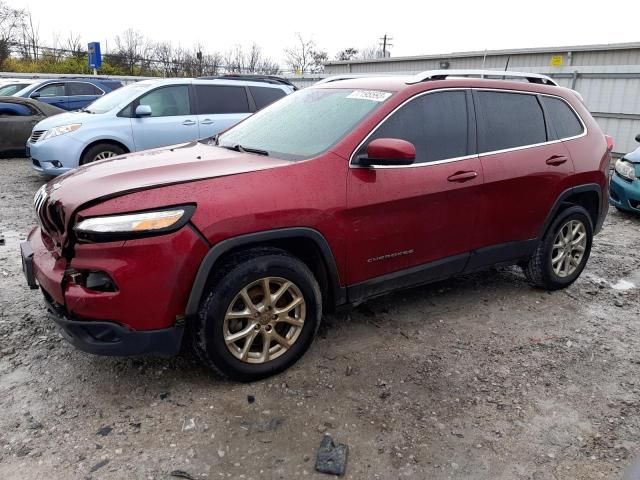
(334, 194)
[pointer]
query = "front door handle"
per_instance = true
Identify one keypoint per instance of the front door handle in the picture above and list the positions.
(462, 176)
(188, 123)
(206, 121)
(556, 160)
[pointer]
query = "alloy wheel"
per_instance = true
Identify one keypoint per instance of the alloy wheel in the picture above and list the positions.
(264, 320)
(104, 155)
(568, 248)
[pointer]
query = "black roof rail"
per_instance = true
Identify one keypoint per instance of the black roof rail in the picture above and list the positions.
(252, 78)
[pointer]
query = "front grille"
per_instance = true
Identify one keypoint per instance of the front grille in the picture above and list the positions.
(49, 214)
(35, 136)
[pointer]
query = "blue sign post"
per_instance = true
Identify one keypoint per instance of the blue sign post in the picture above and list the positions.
(95, 57)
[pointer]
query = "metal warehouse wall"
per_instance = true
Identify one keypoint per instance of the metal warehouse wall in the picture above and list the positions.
(607, 76)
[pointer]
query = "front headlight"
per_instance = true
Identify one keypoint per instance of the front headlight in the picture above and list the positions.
(61, 130)
(625, 169)
(117, 227)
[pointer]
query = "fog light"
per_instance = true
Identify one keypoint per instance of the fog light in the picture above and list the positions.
(98, 281)
(57, 163)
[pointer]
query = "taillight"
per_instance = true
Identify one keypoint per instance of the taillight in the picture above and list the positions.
(609, 142)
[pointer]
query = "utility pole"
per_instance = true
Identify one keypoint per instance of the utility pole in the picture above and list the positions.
(385, 43)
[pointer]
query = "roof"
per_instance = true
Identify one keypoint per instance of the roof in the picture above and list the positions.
(45, 108)
(512, 51)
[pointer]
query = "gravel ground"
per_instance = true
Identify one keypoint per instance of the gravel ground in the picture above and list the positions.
(478, 377)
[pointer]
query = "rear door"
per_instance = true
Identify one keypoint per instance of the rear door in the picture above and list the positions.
(423, 216)
(53, 94)
(220, 107)
(264, 96)
(81, 94)
(524, 166)
(172, 120)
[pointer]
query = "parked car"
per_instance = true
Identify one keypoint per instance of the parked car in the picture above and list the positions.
(624, 187)
(335, 194)
(148, 114)
(17, 118)
(68, 93)
(11, 86)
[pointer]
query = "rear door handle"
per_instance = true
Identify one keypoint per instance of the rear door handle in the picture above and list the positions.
(556, 160)
(188, 123)
(462, 176)
(207, 121)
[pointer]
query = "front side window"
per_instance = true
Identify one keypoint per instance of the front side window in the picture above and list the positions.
(168, 101)
(508, 120)
(305, 123)
(82, 88)
(213, 99)
(52, 90)
(436, 124)
(562, 118)
(15, 110)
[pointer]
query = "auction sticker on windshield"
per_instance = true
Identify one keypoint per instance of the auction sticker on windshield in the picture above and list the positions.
(374, 95)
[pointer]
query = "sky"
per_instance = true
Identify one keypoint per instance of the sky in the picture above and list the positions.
(417, 27)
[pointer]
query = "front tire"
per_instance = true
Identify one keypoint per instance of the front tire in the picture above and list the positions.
(101, 151)
(260, 315)
(563, 252)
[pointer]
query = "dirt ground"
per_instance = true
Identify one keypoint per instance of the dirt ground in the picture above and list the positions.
(479, 377)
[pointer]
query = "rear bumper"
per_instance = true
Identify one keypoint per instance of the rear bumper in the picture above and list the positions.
(624, 194)
(112, 339)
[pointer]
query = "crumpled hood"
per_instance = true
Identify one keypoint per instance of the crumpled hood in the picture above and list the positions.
(633, 156)
(138, 171)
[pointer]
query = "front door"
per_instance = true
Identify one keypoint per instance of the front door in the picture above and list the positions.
(171, 120)
(415, 223)
(53, 94)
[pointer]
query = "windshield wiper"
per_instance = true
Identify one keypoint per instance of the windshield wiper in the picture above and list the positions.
(239, 148)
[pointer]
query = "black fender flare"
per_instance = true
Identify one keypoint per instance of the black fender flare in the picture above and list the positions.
(589, 187)
(219, 249)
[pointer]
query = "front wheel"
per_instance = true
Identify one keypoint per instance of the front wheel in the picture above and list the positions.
(563, 252)
(101, 151)
(261, 314)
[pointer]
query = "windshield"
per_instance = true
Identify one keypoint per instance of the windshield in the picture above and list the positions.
(117, 98)
(303, 124)
(11, 88)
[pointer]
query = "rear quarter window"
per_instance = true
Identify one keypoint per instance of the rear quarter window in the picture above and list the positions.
(508, 120)
(264, 96)
(562, 118)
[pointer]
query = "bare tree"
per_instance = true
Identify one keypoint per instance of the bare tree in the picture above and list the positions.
(73, 44)
(11, 21)
(129, 50)
(370, 53)
(305, 57)
(349, 53)
(30, 38)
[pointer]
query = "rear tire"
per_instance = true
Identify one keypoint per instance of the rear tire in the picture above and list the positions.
(563, 252)
(271, 335)
(101, 151)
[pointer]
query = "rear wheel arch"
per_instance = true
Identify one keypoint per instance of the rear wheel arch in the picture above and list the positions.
(587, 196)
(306, 244)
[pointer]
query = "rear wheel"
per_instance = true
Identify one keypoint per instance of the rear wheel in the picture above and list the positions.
(563, 252)
(260, 315)
(101, 151)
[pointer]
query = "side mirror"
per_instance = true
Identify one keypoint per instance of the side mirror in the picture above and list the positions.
(143, 111)
(388, 151)
(638, 138)
(35, 95)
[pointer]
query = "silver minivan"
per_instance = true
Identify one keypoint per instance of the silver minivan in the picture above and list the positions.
(149, 114)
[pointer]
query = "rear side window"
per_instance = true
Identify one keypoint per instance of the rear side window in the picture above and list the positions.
(562, 118)
(263, 96)
(15, 109)
(213, 99)
(82, 88)
(508, 120)
(435, 123)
